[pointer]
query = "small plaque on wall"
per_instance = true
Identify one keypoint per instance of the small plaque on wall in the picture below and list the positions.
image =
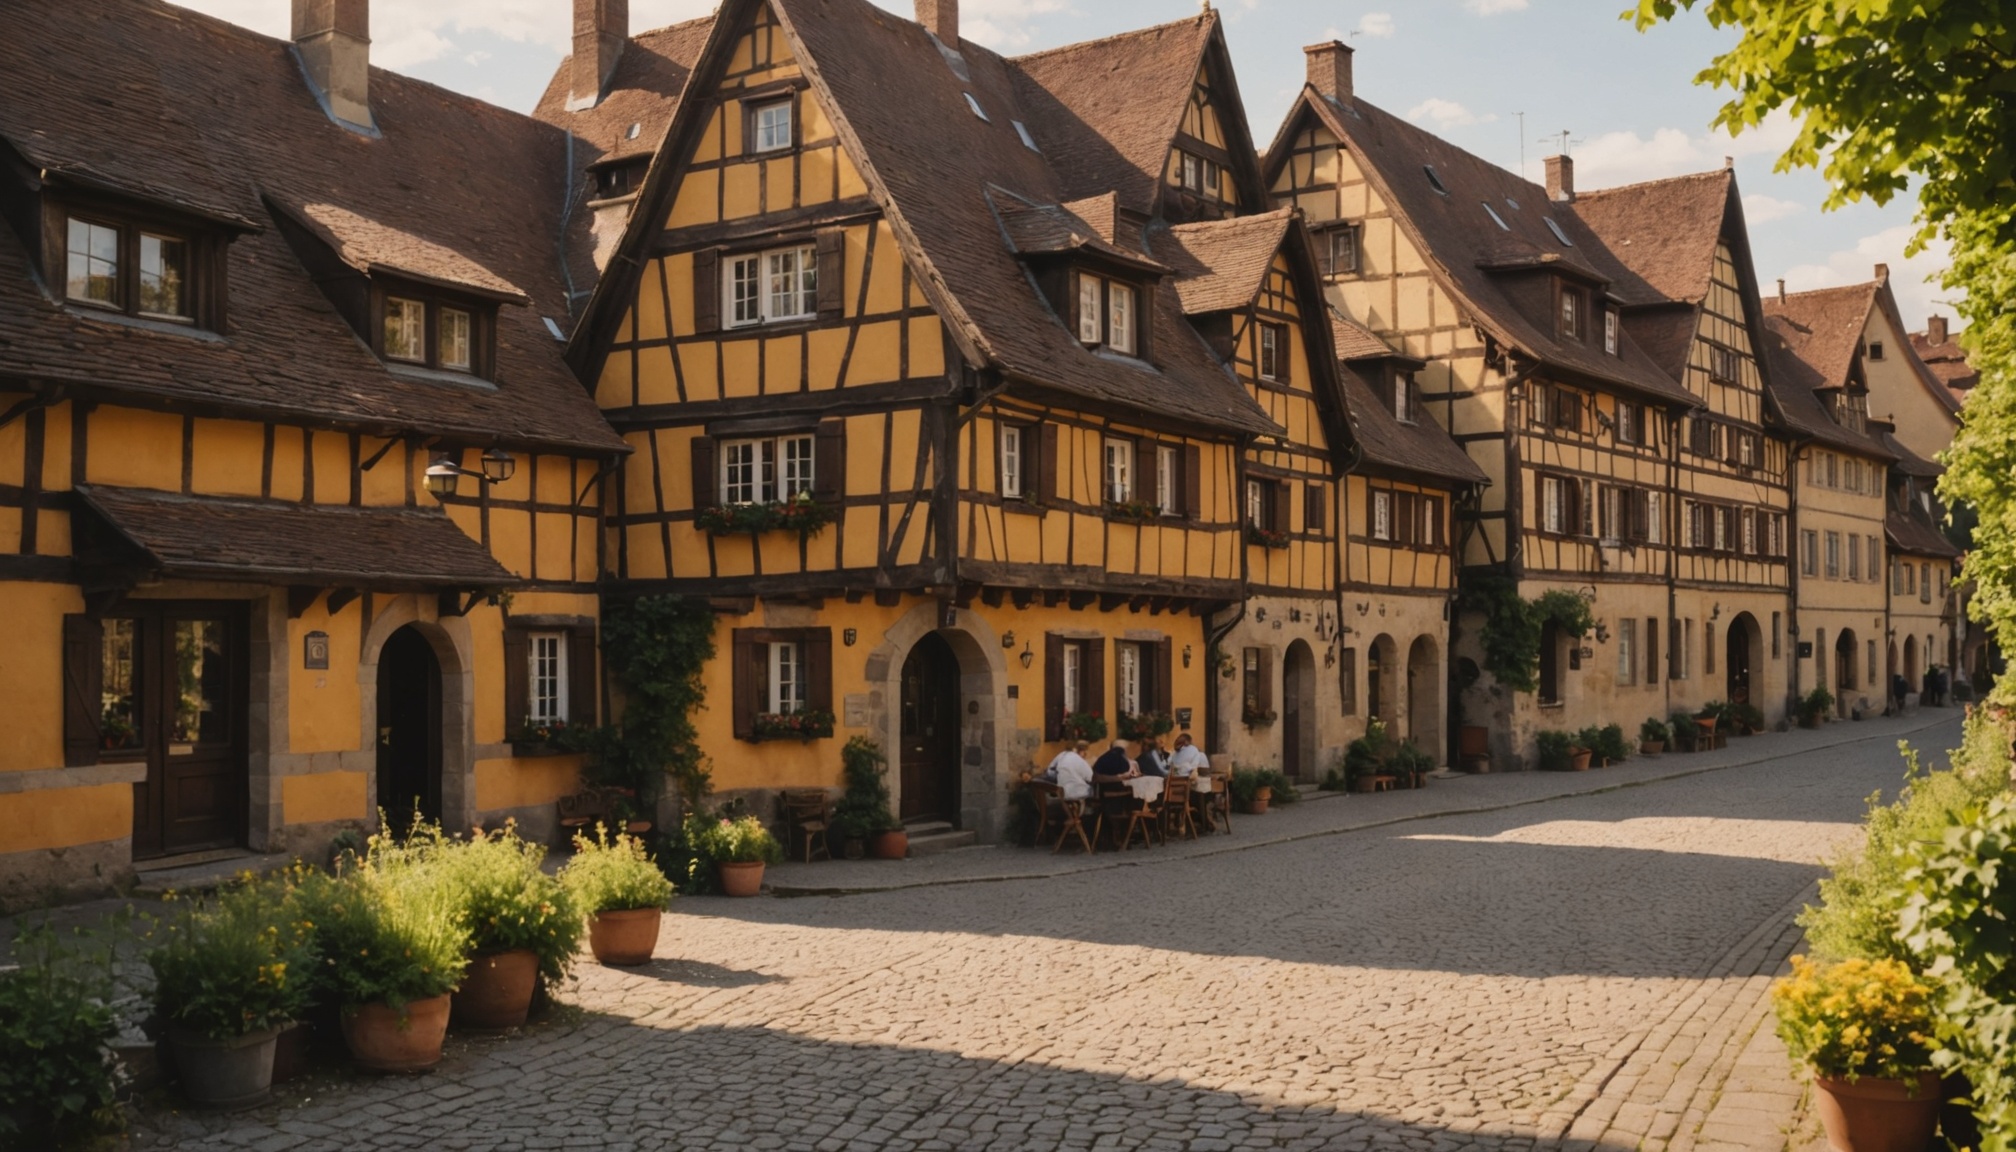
(315, 651)
(1183, 717)
(1805, 649)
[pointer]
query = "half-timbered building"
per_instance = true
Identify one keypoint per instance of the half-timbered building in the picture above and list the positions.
(298, 497)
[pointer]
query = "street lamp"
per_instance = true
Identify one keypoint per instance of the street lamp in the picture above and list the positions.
(444, 475)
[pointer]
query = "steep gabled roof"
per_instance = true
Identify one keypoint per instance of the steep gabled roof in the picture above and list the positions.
(192, 113)
(1824, 327)
(643, 92)
(1422, 447)
(1221, 264)
(1489, 268)
(1947, 361)
(1794, 385)
(1910, 531)
(1663, 232)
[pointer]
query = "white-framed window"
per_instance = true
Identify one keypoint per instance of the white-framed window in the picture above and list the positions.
(1128, 687)
(1655, 517)
(1833, 555)
(1627, 651)
(1091, 300)
(1120, 318)
(1571, 314)
(453, 344)
(767, 471)
(1686, 650)
(772, 122)
(1343, 250)
(1855, 558)
(1382, 514)
(770, 287)
(1256, 504)
(1107, 314)
(1273, 352)
(1746, 449)
(1610, 331)
(1403, 397)
(1750, 541)
(1074, 677)
(1119, 471)
(546, 677)
(1627, 423)
(1011, 461)
(1554, 510)
(1165, 479)
(405, 329)
(1875, 569)
(1611, 521)
(787, 678)
(1809, 552)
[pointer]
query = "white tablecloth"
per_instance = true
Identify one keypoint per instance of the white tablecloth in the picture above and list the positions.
(1147, 788)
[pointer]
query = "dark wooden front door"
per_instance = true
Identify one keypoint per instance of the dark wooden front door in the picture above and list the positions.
(175, 678)
(409, 729)
(930, 731)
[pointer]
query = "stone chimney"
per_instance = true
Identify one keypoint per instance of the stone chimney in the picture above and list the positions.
(332, 38)
(1781, 290)
(1935, 330)
(601, 29)
(941, 19)
(1330, 70)
(1560, 178)
(1883, 272)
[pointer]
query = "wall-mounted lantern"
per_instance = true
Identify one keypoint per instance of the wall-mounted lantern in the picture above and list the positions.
(444, 475)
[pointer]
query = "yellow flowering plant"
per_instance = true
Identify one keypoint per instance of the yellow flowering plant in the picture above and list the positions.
(1856, 1018)
(232, 965)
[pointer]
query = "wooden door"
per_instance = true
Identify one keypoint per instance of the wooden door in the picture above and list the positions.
(930, 753)
(176, 678)
(409, 729)
(1298, 712)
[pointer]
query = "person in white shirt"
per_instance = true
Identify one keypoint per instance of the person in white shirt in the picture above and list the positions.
(1187, 758)
(1072, 772)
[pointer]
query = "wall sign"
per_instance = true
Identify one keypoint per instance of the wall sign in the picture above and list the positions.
(1183, 717)
(315, 651)
(1805, 649)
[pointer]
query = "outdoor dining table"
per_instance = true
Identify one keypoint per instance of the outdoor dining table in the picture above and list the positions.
(1147, 789)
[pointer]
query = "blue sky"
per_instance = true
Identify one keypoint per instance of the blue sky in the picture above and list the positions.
(1462, 68)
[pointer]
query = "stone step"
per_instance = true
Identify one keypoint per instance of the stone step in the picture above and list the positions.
(937, 836)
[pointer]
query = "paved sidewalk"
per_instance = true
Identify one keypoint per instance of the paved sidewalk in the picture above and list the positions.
(1330, 813)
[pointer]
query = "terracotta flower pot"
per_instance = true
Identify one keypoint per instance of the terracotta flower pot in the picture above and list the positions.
(293, 1052)
(497, 992)
(624, 937)
(1876, 1115)
(387, 1039)
(224, 1073)
(1651, 747)
(741, 879)
(890, 845)
(1578, 759)
(1258, 805)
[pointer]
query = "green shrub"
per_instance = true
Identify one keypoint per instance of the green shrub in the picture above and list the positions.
(1246, 784)
(55, 1022)
(1611, 745)
(1816, 702)
(1370, 754)
(392, 931)
(1556, 751)
(863, 809)
(234, 965)
(1749, 716)
(743, 840)
(1655, 731)
(508, 902)
(613, 875)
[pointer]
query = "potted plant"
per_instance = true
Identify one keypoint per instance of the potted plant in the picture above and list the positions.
(1558, 752)
(616, 884)
(228, 976)
(1367, 758)
(523, 925)
(862, 813)
(1865, 1028)
(1135, 726)
(1410, 765)
(1813, 706)
(1083, 726)
(1717, 734)
(740, 848)
(57, 998)
(1608, 742)
(1252, 790)
(1748, 718)
(1686, 733)
(1590, 740)
(1653, 736)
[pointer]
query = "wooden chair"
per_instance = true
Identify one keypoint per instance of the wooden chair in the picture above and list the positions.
(580, 813)
(1116, 805)
(1220, 803)
(1176, 808)
(1071, 819)
(1145, 815)
(1042, 795)
(806, 812)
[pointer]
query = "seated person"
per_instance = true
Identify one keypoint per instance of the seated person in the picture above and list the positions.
(1114, 763)
(1153, 762)
(1071, 772)
(1188, 758)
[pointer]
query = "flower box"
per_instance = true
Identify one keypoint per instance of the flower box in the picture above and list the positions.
(801, 514)
(1084, 726)
(1134, 512)
(1142, 725)
(1266, 537)
(1258, 719)
(806, 726)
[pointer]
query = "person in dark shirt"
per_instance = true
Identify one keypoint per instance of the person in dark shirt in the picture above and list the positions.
(1154, 762)
(1114, 762)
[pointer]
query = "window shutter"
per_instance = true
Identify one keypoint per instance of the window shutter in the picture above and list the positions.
(1047, 464)
(1164, 675)
(1092, 689)
(707, 290)
(1144, 322)
(1147, 470)
(818, 649)
(1651, 650)
(1405, 518)
(704, 473)
(747, 681)
(1313, 517)
(829, 462)
(1278, 505)
(1347, 679)
(517, 674)
(832, 276)
(1265, 689)
(1053, 686)
(1193, 481)
(581, 667)
(83, 691)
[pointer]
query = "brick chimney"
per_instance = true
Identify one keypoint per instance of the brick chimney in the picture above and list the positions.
(332, 38)
(601, 29)
(1560, 178)
(941, 19)
(1935, 330)
(1781, 290)
(1330, 70)
(1883, 272)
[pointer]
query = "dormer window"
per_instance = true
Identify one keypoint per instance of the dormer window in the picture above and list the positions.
(430, 333)
(1610, 342)
(1274, 352)
(1107, 315)
(1571, 314)
(127, 268)
(770, 126)
(1199, 175)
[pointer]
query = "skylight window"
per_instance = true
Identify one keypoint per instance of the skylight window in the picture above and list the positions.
(634, 131)
(975, 106)
(1511, 203)
(1028, 141)
(1495, 218)
(1558, 234)
(1434, 180)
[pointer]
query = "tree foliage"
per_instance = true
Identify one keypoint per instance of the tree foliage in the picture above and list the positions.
(656, 648)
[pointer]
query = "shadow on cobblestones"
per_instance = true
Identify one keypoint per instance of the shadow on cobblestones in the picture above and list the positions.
(702, 975)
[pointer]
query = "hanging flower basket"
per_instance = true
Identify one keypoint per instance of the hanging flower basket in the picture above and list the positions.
(800, 514)
(1266, 537)
(806, 726)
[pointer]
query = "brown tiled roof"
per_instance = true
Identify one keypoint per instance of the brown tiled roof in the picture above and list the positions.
(1663, 231)
(1811, 340)
(1947, 362)
(1794, 386)
(1908, 462)
(1053, 229)
(1422, 447)
(1221, 264)
(284, 542)
(1909, 532)
(1463, 243)
(643, 91)
(1105, 111)
(189, 110)
(1355, 341)
(370, 246)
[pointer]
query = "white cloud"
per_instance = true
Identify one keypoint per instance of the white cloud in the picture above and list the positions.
(1915, 294)
(1377, 25)
(1615, 158)
(1761, 209)
(1494, 7)
(1446, 113)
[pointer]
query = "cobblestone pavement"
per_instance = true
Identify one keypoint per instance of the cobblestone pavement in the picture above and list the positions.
(1583, 972)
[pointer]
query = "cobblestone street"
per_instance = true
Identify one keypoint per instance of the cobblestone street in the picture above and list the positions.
(1584, 971)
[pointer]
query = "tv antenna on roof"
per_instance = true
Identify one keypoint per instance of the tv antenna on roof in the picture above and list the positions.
(1522, 144)
(1562, 136)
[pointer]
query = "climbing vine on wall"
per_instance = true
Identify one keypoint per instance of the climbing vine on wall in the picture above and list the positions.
(1512, 626)
(655, 648)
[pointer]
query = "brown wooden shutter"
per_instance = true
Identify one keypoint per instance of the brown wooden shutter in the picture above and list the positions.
(1278, 504)
(1094, 682)
(1315, 510)
(83, 689)
(818, 649)
(707, 290)
(1673, 649)
(1284, 357)
(517, 676)
(1347, 679)
(1047, 464)
(1193, 481)
(1053, 686)
(1147, 470)
(832, 277)
(829, 462)
(581, 667)
(1165, 671)
(1144, 322)
(1405, 518)
(746, 681)
(1651, 650)
(1265, 689)
(704, 473)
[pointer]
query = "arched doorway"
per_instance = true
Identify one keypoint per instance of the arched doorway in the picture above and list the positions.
(930, 731)
(1845, 671)
(1298, 712)
(409, 728)
(1914, 675)
(1742, 641)
(1424, 697)
(1382, 672)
